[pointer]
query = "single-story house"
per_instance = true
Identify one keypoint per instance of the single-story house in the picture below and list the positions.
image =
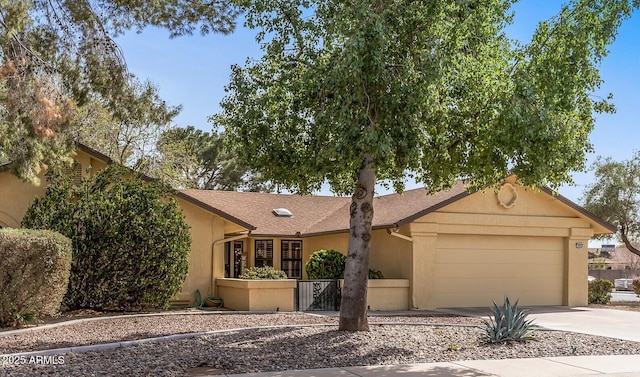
(455, 248)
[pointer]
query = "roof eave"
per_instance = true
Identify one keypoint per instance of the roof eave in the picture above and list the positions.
(428, 210)
(94, 153)
(580, 209)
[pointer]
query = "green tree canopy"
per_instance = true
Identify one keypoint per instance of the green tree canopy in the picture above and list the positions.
(615, 197)
(128, 139)
(354, 92)
(191, 158)
(58, 56)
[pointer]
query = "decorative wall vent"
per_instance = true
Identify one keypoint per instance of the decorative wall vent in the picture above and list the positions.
(507, 195)
(282, 212)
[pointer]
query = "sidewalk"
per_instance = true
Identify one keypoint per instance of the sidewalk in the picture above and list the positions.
(612, 365)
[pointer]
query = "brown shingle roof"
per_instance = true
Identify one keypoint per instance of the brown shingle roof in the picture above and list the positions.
(319, 214)
(256, 209)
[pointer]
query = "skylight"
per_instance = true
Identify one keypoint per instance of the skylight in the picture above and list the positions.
(282, 212)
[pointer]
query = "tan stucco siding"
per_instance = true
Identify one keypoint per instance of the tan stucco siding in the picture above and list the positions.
(476, 270)
(15, 197)
(88, 164)
(529, 202)
(390, 255)
(338, 242)
(206, 228)
(476, 250)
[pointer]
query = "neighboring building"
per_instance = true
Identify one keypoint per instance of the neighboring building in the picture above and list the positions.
(456, 249)
(614, 258)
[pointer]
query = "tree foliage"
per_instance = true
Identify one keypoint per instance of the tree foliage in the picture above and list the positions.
(191, 158)
(128, 139)
(58, 56)
(130, 240)
(615, 197)
(354, 92)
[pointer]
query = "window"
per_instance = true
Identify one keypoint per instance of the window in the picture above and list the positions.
(235, 259)
(264, 253)
(291, 253)
(74, 172)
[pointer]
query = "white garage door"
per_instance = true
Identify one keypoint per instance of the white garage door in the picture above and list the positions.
(474, 271)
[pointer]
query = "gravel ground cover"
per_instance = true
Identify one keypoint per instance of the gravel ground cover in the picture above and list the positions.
(140, 327)
(395, 340)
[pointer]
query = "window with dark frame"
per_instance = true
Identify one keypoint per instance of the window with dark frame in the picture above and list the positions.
(291, 258)
(264, 253)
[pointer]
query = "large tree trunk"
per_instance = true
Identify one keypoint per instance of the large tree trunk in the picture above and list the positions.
(353, 308)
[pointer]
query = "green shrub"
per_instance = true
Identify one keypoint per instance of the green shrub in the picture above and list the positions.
(263, 273)
(35, 273)
(130, 241)
(375, 274)
(508, 323)
(330, 264)
(600, 291)
(636, 286)
(325, 264)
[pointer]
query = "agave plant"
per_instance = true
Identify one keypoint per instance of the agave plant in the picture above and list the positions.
(508, 323)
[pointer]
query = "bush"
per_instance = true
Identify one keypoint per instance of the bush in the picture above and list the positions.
(130, 241)
(263, 273)
(636, 286)
(35, 273)
(330, 264)
(600, 291)
(508, 323)
(326, 264)
(375, 274)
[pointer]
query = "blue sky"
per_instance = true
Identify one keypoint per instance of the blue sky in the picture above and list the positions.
(192, 72)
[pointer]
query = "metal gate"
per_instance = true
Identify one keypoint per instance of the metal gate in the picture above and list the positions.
(321, 295)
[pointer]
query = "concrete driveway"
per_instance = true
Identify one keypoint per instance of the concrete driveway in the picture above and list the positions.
(619, 324)
(624, 296)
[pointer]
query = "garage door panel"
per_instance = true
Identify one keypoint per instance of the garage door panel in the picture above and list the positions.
(450, 300)
(537, 271)
(476, 270)
(501, 286)
(492, 256)
(471, 242)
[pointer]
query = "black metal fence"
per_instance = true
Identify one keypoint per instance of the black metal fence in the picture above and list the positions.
(320, 295)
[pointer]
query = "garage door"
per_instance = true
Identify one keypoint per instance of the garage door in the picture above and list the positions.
(474, 271)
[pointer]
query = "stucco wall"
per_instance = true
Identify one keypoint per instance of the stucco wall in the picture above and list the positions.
(257, 295)
(15, 198)
(16, 195)
(477, 250)
(206, 228)
(391, 255)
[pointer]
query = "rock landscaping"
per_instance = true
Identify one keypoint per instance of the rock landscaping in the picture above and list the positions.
(428, 337)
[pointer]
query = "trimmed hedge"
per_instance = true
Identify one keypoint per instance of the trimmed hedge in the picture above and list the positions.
(263, 273)
(130, 240)
(330, 264)
(325, 264)
(34, 274)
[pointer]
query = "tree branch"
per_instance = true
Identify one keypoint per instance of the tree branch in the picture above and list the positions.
(627, 243)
